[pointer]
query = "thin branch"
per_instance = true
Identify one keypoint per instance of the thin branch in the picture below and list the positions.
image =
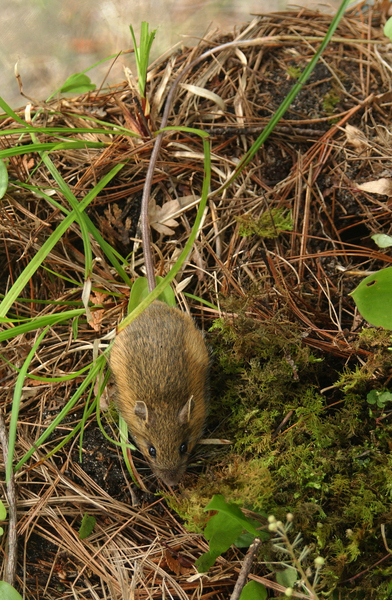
(246, 566)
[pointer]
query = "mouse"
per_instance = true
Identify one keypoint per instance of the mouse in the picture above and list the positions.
(160, 364)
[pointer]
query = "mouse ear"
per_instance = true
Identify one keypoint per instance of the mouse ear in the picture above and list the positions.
(184, 415)
(141, 410)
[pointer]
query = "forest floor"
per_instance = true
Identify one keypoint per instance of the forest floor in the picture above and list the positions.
(276, 258)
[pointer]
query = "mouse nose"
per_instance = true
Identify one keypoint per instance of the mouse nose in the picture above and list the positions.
(169, 477)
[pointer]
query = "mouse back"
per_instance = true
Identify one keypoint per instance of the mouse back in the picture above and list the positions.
(160, 364)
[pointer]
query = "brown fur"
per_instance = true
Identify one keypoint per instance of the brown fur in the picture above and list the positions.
(160, 364)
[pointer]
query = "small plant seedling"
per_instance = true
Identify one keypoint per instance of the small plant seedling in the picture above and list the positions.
(78, 83)
(382, 240)
(142, 54)
(87, 526)
(379, 398)
(139, 292)
(223, 529)
(373, 298)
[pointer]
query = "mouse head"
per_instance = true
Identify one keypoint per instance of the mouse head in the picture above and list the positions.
(166, 441)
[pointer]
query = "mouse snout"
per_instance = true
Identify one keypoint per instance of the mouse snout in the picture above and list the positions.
(169, 477)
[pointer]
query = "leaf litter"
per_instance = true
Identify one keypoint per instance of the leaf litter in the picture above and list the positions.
(320, 166)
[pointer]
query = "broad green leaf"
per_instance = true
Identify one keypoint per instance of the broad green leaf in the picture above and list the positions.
(3, 179)
(78, 83)
(232, 511)
(382, 240)
(139, 291)
(254, 590)
(1, 531)
(287, 577)
(3, 511)
(221, 533)
(87, 526)
(206, 560)
(7, 592)
(373, 298)
(388, 29)
(245, 539)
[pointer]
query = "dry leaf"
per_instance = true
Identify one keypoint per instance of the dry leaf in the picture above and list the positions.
(356, 138)
(199, 91)
(180, 565)
(160, 218)
(378, 186)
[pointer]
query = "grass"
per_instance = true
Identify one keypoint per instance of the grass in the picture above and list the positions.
(284, 327)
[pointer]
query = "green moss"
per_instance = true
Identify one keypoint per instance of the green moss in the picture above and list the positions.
(330, 463)
(330, 101)
(268, 226)
(294, 72)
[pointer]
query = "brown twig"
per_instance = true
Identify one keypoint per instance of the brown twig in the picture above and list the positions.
(246, 566)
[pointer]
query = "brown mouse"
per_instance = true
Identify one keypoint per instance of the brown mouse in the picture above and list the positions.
(160, 364)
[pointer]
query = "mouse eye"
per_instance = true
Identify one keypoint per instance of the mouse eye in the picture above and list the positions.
(152, 452)
(183, 448)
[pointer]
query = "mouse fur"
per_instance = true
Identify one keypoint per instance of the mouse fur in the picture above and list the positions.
(160, 364)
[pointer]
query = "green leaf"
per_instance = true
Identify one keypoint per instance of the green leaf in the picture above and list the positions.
(372, 397)
(222, 530)
(287, 578)
(1, 531)
(254, 590)
(245, 539)
(385, 397)
(221, 533)
(87, 526)
(232, 511)
(139, 291)
(206, 560)
(382, 240)
(388, 29)
(7, 592)
(373, 298)
(3, 511)
(78, 83)
(3, 179)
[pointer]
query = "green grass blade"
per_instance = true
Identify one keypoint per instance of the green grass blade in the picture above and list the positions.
(3, 179)
(90, 377)
(36, 261)
(50, 147)
(16, 404)
(6, 334)
(68, 130)
(289, 98)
